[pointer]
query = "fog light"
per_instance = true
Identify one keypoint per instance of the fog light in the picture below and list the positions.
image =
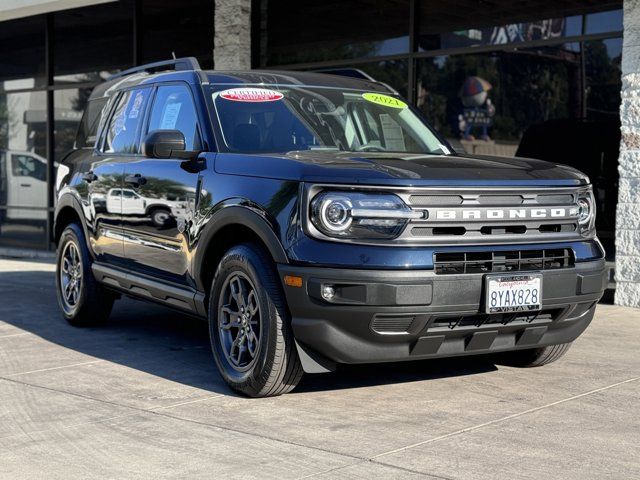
(328, 292)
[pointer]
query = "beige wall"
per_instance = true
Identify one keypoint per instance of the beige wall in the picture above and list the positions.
(232, 40)
(628, 214)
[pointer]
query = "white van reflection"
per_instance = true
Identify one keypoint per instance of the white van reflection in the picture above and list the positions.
(23, 183)
(161, 212)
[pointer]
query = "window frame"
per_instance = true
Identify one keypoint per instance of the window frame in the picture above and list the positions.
(152, 101)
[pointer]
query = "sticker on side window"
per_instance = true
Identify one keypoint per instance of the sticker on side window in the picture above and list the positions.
(137, 103)
(170, 116)
(251, 95)
(384, 100)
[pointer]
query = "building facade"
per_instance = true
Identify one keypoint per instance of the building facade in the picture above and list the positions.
(536, 78)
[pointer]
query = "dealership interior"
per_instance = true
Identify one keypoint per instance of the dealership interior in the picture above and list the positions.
(534, 78)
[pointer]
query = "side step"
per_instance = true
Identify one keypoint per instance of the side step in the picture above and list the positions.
(179, 297)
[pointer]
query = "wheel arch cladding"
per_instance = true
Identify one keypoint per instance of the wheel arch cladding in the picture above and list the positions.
(68, 211)
(228, 227)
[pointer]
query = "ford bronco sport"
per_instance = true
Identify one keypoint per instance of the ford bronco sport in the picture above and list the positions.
(314, 220)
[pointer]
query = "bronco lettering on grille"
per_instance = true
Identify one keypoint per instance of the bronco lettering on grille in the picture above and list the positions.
(503, 213)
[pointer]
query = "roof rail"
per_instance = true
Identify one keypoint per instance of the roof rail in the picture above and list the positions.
(185, 63)
(355, 73)
(347, 72)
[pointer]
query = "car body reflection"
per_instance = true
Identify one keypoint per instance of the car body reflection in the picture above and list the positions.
(162, 212)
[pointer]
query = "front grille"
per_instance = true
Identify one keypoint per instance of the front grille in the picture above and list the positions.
(452, 323)
(490, 215)
(452, 263)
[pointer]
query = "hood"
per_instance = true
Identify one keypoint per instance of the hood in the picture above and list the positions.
(399, 169)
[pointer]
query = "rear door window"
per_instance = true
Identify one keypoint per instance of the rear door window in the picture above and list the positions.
(124, 127)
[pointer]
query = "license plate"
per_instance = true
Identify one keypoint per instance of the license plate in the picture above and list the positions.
(513, 293)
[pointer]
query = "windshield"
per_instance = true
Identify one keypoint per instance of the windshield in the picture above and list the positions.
(288, 118)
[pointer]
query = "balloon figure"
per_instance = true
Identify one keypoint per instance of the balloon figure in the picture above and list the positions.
(478, 109)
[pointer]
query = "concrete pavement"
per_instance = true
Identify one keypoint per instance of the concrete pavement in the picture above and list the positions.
(140, 398)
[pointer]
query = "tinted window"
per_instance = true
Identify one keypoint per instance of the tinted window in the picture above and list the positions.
(124, 126)
(88, 129)
(173, 109)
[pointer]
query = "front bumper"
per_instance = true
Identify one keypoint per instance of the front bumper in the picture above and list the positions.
(386, 316)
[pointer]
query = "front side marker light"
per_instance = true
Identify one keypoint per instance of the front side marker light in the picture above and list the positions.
(293, 281)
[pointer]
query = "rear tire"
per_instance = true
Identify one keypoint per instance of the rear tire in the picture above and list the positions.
(82, 300)
(249, 326)
(535, 357)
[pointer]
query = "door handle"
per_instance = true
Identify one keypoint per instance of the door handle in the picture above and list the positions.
(89, 177)
(26, 185)
(135, 180)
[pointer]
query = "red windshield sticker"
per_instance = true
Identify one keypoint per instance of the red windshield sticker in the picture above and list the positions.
(251, 95)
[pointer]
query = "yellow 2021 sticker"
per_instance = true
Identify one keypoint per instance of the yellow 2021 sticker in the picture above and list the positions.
(384, 100)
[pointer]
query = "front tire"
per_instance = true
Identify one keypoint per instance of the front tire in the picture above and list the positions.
(81, 298)
(535, 357)
(160, 217)
(249, 327)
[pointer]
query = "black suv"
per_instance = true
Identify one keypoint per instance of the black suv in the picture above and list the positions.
(316, 219)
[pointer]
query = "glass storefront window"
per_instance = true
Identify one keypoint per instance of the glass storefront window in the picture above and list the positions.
(22, 54)
(602, 72)
(23, 169)
(68, 107)
(604, 22)
(23, 228)
(91, 43)
(444, 25)
(23, 149)
(180, 27)
(334, 30)
(487, 101)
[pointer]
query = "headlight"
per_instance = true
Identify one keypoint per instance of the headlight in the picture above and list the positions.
(360, 215)
(586, 211)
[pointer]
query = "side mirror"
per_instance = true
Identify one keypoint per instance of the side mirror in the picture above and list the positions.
(167, 144)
